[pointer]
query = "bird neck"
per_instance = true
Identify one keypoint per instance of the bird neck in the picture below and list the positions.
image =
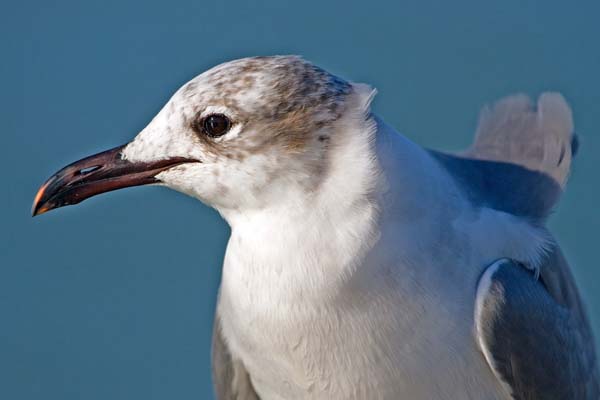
(311, 243)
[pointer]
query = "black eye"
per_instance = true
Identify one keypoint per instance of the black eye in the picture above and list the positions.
(215, 125)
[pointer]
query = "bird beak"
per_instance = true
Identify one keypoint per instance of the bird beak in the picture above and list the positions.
(102, 172)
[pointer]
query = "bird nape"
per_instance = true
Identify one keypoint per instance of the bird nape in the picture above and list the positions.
(360, 264)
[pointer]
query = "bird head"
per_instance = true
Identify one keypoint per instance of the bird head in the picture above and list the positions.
(237, 136)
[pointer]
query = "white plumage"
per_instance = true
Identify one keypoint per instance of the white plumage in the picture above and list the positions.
(354, 263)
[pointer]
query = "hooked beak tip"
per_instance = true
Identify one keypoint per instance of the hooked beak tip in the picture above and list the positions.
(37, 208)
(35, 212)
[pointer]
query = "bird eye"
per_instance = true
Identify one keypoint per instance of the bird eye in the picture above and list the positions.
(215, 125)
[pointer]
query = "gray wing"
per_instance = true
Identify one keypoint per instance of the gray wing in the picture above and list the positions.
(230, 378)
(534, 333)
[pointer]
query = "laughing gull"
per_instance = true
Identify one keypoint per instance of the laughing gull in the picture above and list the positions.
(361, 265)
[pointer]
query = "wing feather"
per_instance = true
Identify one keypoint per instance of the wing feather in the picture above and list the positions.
(521, 157)
(537, 341)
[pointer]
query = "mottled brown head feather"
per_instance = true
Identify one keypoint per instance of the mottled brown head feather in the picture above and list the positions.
(280, 100)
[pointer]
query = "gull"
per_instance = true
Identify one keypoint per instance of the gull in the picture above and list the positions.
(360, 264)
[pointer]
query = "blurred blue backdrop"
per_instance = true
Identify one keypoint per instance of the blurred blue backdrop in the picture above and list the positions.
(114, 299)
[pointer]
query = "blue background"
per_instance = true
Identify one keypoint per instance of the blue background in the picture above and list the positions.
(114, 298)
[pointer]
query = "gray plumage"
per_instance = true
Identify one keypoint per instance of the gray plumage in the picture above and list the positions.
(539, 347)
